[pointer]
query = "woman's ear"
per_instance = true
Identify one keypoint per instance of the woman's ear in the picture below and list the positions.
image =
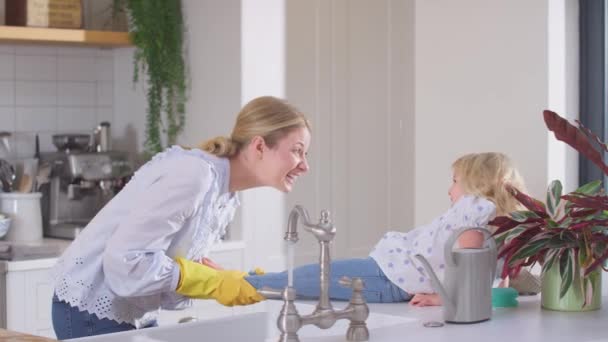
(258, 146)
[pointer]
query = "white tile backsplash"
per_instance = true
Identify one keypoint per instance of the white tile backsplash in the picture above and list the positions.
(7, 93)
(104, 114)
(36, 50)
(75, 68)
(7, 48)
(77, 51)
(36, 93)
(80, 94)
(36, 119)
(76, 119)
(7, 119)
(36, 68)
(7, 67)
(47, 90)
(105, 68)
(105, 93)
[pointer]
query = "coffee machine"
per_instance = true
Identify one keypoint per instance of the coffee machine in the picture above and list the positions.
(83, 179)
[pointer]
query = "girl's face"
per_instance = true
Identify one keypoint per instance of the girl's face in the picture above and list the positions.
(455, 191)
(286, 161)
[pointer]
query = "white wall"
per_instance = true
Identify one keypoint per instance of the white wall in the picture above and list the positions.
(481, 85)
(263, 73)
(350, 68)
(563, 86)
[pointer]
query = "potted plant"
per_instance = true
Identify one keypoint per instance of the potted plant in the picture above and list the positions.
(156, 29)
(567, 235)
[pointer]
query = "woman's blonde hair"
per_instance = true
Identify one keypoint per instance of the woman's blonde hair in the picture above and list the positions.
(268, 117)
(486, 174)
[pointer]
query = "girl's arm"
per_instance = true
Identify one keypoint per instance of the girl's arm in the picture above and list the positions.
(470, 239)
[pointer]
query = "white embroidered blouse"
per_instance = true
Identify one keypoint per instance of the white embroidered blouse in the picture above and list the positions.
(121, 266)
(395, 251)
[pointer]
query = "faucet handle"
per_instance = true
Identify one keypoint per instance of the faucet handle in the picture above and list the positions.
(356, 284)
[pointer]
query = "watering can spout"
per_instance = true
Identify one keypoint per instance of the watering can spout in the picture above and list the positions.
(447, 301)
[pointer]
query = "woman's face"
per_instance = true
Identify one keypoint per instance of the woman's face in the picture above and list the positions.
(455, 191)
(286, 161)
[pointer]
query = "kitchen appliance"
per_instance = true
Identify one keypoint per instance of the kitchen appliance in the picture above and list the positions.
(81, 183)
(101, 137)
(466, 292)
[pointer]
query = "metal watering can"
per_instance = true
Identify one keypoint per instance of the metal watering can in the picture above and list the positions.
(469, 274)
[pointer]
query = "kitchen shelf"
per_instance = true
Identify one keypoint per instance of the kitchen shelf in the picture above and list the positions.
(36, 35)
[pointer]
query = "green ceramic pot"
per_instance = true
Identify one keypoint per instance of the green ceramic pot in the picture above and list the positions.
(573, 299)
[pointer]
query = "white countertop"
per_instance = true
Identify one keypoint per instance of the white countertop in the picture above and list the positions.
(26, 265)
(394, 322)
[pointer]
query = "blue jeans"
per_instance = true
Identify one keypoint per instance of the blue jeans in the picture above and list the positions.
(69, 322)
(378, 288)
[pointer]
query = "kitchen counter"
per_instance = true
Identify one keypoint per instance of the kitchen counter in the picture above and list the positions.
(393, 322)
(31, 264)
(11, 336)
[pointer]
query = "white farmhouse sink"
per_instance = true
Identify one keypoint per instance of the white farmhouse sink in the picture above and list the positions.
(251, 327)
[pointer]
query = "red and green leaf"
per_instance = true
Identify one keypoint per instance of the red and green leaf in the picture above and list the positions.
(571, 135)
(532, 204)
(554, 194)
(566, 270)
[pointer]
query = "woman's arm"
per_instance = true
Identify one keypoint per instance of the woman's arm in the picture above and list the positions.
(135, 261)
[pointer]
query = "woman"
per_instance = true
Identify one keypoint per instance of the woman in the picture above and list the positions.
(136, 255)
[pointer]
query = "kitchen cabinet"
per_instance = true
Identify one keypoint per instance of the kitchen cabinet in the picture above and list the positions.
(37, 35)
(26, 291)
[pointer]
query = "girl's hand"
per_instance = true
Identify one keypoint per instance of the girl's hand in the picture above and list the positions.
(209, 263)
(426, 299)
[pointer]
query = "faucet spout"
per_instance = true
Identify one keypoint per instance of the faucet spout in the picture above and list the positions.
(291, 235)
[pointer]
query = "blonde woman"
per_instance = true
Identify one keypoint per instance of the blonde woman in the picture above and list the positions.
(140, 252)
(390, 273)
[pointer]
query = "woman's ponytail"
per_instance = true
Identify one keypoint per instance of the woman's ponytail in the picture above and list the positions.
(220, 146)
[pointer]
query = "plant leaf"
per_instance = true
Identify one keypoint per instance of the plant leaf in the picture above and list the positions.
(532, 204)
(571, 135)
(551, 257)
(590, 188)
(554, 194)
(566, 271)
(530, 249)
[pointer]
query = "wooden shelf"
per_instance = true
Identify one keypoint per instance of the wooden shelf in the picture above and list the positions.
(36, 35)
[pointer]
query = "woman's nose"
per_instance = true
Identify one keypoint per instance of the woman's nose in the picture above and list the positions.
(304, 165)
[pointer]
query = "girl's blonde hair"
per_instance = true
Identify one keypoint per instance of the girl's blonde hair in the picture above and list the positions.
(268, 117)
(486, 174)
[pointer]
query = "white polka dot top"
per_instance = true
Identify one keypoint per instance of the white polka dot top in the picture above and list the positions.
(395, 251)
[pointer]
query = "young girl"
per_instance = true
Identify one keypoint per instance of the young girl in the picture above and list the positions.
(390, 272)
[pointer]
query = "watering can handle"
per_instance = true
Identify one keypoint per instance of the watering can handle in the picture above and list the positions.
(449, 258)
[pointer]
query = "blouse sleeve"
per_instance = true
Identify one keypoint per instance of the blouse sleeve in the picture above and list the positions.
(475, 212)
(134, 260)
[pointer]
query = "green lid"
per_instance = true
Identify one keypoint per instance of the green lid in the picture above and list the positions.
(504, 297)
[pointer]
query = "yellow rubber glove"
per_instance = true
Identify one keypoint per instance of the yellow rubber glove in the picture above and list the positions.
(227, 287)
(257, 271)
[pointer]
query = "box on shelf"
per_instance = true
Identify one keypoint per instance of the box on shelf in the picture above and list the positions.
(44, 13)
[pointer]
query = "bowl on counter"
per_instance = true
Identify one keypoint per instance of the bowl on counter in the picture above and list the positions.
(5, 224)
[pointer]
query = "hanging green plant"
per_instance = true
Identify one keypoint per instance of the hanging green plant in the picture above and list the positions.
(156, 29)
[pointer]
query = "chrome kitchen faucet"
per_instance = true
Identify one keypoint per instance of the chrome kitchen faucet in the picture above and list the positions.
(324, 316)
